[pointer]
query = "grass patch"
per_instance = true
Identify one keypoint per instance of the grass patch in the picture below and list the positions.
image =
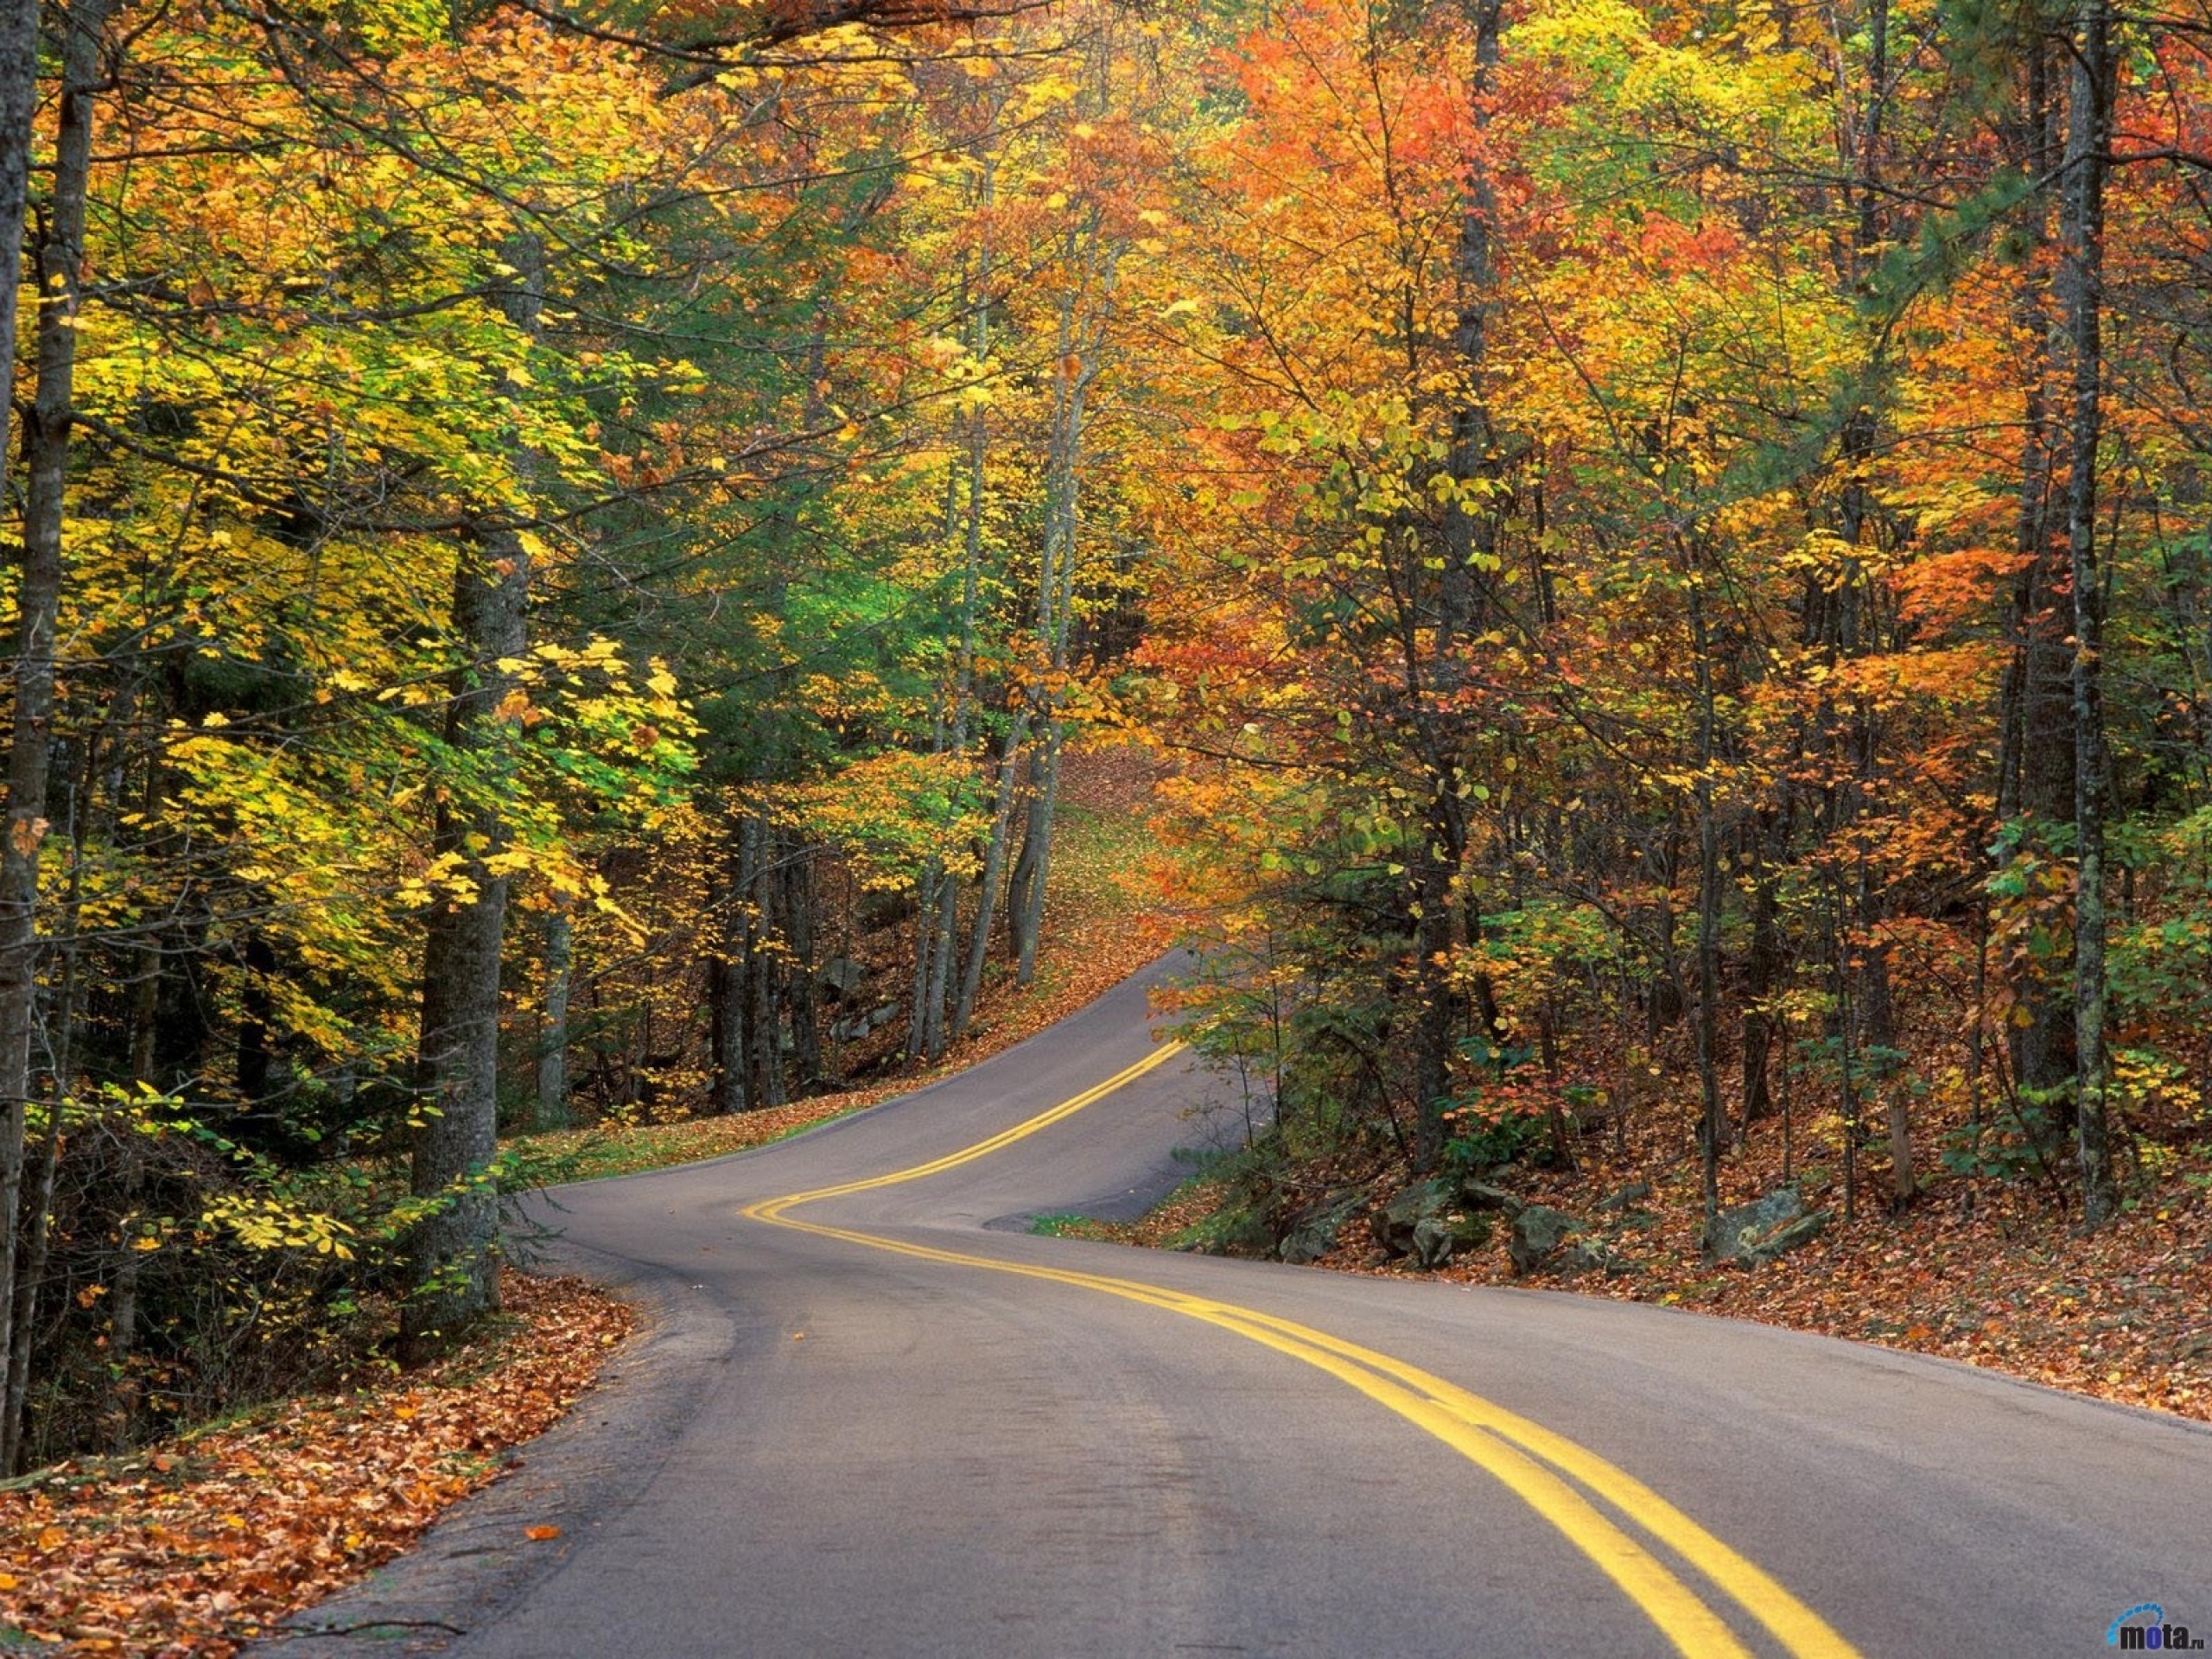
(1069, 1226)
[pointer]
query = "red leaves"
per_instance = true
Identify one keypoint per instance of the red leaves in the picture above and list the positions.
(195, 1549)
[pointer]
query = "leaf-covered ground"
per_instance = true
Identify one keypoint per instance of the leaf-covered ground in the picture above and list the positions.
(196, 1545)
(1977, 1271)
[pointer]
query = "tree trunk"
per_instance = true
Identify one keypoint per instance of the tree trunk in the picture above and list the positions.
(725, 1034)
(919, 1024)
(804, 991)
(2038, 768)
(552, 1104)
(762, 962)
(1712, 1126)
(18, 102)
(2082, 278)
(45, 452)
(726, 975)
(1764, 968)
(39, 1220)
(453, 1276)
(979, 941)
(1080, 358)
(1470, 546)
(1037, 850)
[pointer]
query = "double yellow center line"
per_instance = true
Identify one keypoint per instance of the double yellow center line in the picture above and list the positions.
(1552, 1475)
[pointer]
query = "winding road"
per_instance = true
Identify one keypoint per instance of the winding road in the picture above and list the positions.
(875, 1415)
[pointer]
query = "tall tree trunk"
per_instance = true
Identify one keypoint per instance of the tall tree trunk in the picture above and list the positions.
(1080, 356)
(552, 1103)
(453, 1276)
(2036, 775)
(762, 962)
(979, 941)
(2088, 138)
(39, 1220)
(803, 992)
(725, 973)
(1470, 548)
(1713, 1125)
(46, 451)
(18, 103)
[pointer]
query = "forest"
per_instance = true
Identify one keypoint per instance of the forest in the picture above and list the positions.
(557, 558)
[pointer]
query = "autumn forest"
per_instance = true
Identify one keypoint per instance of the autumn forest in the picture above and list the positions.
(559, 561)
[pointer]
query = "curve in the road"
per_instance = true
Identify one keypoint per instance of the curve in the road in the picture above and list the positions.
(1505, 1444)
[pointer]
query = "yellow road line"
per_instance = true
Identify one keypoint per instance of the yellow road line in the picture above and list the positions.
(1511, 1448)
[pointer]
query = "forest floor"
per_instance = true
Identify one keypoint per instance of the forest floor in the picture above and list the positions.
(195, 1544)
(1993, 1275)
(199, 1543)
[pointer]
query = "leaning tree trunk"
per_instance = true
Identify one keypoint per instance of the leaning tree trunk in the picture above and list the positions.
(45, 452)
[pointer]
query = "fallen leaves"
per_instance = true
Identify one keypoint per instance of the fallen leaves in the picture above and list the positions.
(198, 1546)
(1979, 1272)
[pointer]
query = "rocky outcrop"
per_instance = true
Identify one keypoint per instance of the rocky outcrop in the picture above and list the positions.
(1538, 1231)
(1752, 1235)
(1430, 1224)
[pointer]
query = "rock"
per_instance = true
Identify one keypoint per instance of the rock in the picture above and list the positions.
(1585, 1256)
(1754, 1234)
(1538, 1231)
(852, 1030)
(1634, 1193)
(1785, 1239)
(1481, 1195)
(1429, 1224)
(1394, 1223)
(842, 976)
(1313, 1233)
(1433, 1242)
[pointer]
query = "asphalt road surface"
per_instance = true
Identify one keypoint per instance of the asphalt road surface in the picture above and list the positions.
(880, 1417)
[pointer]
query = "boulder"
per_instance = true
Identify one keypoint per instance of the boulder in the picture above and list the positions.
(1481, 1195)
(1314, 1232)
(1751, 1235)
(1585, 1256)
(1429, 1224)
(1785, 1239)
(1394, 1223)
(1538, 1231)
(840, 976)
